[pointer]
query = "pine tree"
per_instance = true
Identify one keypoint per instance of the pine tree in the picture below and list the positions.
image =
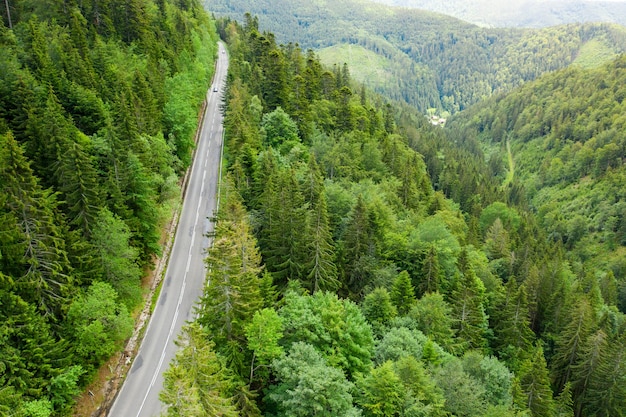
(43, 272)
(470, 320)
(240, 129)
(30, 354)
(284, 218)
(49, 132)
(512, 324)
(196, 382)
(606, 395)
(267, 290)
(78, 181)
(313, 184)
(345, 116)
(535, 384)
(231, 294)
(312, 76)
(322, 272)
(357, 246)
(591, 353)
(564, 403)
(570, 341)
(430, 275)
(403, 293)
(378, 310)
(274, 86)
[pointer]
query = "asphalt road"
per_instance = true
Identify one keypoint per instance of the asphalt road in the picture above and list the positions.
(139, 396)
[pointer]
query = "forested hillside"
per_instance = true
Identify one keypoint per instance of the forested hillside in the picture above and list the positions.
(98, 108)
(558, 147)
(434, 61)
(523, 13)
(366, 263)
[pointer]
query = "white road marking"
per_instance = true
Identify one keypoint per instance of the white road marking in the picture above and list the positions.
(182, 291)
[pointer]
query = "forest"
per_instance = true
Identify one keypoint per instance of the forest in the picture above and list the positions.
(433, 61)
(366, 263)
(522, 13)
(98, 112)
(563, 137)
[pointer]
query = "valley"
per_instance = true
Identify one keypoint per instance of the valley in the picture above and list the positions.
(419, 216)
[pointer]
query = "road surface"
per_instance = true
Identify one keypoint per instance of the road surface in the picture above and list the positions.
(184, 278)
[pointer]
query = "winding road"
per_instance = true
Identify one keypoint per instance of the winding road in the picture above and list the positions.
(184, 279)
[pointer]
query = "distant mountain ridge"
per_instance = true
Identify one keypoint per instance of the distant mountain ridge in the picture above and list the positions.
(423, 58)
(522, 13)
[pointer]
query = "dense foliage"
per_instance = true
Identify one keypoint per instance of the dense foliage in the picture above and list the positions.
(97, 116)
(522, 13)
(422, 58)
(556, 146)
(368, 263)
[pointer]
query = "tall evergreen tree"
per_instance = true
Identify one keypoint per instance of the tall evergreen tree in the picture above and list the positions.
(284, 219)
(43, 272)
(78, 181)
(535, 384)
(430, 273)
(30, 354)
(403, 293)
(322, 272)
(231, 294)
(49, 134)
(606, 395)
(357, 247)
(570, 342)
(592, 351)
(196, 384)
(466, 299)
(274, 80)
(512, 324)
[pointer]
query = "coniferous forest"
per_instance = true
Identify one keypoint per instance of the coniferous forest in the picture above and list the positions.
(97, 116)
(367, 263)
(364, 262)
(425, 59)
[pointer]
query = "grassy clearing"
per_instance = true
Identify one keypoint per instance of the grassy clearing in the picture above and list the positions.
(595, 53)
(365, 66)
(511, 171)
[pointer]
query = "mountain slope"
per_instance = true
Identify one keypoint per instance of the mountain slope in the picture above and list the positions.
(435, 61)
(565, 134)
(522, 13)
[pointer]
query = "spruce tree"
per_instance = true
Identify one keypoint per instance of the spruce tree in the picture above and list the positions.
(592, 351)
(470, 320)
(43, 275)
(606, 394)
(512, 324)
(322, 272)
(403, 293)
(231, 294)
(430, 275)
(357, 245)
(570, 341)
(283, 242)
(78, 181)
(196, 384)
(535, 384)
